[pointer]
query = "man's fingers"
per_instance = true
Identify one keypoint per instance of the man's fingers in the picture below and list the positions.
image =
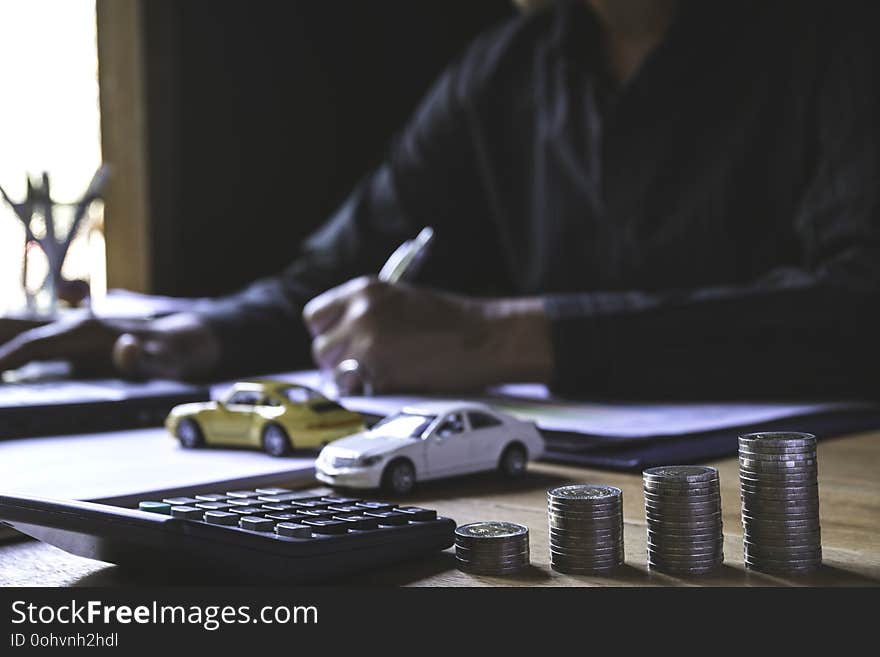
(329, 349)
(326, 309)
(30, 346)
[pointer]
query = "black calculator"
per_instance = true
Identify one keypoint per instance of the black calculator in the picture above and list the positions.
(267, 534)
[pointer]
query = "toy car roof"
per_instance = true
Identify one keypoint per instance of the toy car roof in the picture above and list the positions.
(443, 407)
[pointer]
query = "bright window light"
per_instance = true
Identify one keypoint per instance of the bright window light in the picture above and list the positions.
(49, 121)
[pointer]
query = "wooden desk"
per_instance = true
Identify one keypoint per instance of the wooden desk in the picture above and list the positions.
(849, 486)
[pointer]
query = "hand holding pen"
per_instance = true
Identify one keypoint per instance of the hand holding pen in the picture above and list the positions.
(375, 335)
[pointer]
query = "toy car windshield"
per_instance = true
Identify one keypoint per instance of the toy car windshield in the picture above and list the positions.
(404, 425)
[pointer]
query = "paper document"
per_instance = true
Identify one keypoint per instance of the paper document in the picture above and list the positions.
(127, 465)
(614, 420)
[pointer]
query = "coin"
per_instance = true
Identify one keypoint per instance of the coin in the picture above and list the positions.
(491, 530)
(778, 438)
(585, 492)
(689, 473)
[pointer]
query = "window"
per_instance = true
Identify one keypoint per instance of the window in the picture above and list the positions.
(483, 421)
(299, 394)
(50, 122)
(244, 398)
(404, 425)
(453, 424)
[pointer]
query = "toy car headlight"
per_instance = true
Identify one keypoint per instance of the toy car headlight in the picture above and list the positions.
(367, 461)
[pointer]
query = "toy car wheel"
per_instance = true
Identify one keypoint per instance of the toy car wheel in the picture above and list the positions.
(399, 477)
(513, 461)
(190, 434)
(275, 441)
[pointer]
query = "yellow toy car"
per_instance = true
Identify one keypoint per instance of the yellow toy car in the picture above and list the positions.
(271, 415)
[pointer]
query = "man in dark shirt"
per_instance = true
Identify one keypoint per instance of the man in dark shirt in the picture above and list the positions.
(630, 197)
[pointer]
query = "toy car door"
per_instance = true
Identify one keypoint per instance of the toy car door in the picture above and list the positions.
(486, 439)
(235, 417)
(447, 447)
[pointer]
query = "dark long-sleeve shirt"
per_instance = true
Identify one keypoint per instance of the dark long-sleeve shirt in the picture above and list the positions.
(712, 227)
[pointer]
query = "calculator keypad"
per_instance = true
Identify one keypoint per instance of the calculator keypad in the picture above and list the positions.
(289, 513)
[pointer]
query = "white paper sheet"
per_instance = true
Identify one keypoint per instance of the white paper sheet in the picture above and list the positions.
(129, 465)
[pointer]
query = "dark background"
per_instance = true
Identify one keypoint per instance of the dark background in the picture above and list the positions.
(264, 114)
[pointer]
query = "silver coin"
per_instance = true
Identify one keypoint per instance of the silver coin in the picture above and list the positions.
(682, 503)
(684, 551)
(679, 492)
(681, 473)
(757, 448)
(778, 551)
(494, 560)
(570, 526)
(750, 466)
(489, 531)
(690, 520)
(792, 513)
(583, 570)
(755, 501)
(778, 491)
(685, 566)
(783, 538)
(784, 563)
(777, 457)
(670, 535)
(588, 544)
(513, 550)
(682, 495)
(683, 511)
(710, 523)
(753, 525)
(585, 492)
(559, 560)
(777, 480)
(496, 563)
(676, 487)
(491, 572)
(579, 553)
(579, 515)
(789, 438)
(756, 554)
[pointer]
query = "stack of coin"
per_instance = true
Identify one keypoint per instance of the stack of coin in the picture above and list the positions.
(492, 548)
(683, 512)
(586, 528)
(780, 502)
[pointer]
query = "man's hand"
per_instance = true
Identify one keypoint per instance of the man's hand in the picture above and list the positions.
(416, 339)
(175, 347)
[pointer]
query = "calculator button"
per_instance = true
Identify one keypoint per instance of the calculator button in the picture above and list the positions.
(278, 507)
(294, 530)
(211, 497)
(317, 513)
(242, 501)
(282, 517)
(358, 521)
(389, 517)
(418, 513)
(180, 501)
(242, 493)
(188, 512)
(376, 506)
(340, 500)
(155, 507)
(272, 491)
(221, 518)
(287, 497)
(246, 510)
(311, 505)
(327, 526)
(256, 524)
(213, 506)
(345, 508)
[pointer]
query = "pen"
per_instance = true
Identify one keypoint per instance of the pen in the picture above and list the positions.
(348, 375)
(407, 258)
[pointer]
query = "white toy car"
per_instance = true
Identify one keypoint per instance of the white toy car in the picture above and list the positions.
(429, 441)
